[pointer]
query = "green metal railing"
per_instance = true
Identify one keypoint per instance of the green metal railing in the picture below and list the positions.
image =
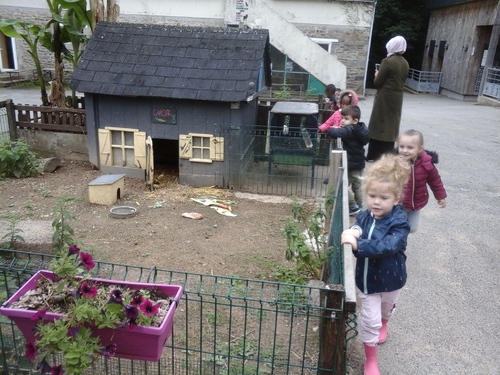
(223, 325)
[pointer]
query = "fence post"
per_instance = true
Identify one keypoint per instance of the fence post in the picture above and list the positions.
(332, 337)
(334, 171)
(11, 119)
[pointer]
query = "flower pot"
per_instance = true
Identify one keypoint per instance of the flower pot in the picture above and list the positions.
(141, 343)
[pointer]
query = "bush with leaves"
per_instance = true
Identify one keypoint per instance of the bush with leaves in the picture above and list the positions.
(305, 240)
(17, 160)
(63, 232)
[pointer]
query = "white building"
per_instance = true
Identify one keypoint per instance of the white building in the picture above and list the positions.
(314, 42)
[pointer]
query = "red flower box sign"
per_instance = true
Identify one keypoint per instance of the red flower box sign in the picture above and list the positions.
(140, 343)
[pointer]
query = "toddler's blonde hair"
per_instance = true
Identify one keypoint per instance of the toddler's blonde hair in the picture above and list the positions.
(389, 168)
(414, 133)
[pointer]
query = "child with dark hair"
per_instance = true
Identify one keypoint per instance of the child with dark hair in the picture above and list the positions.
(423, 173)
(378, 240)
(354, 136)
(346, 98)
(331, 96)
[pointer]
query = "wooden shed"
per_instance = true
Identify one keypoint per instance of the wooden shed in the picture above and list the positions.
(462, 39)
(175, 90)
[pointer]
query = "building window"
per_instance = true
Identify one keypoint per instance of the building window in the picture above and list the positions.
(122, 147)
(325, 43)
(201, 148)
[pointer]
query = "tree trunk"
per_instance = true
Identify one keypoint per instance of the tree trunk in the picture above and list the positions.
(113, 11)
(97, 8)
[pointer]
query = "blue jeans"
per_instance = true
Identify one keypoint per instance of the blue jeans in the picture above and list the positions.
(414, 219)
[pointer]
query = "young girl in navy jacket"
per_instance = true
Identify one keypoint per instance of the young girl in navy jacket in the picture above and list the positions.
(378, 241)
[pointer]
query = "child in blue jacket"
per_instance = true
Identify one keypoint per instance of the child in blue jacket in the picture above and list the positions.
(378, 241)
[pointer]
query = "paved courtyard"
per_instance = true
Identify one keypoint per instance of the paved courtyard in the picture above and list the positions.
(448, 317)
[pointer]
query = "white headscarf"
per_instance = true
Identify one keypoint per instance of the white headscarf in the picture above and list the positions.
(396, 45)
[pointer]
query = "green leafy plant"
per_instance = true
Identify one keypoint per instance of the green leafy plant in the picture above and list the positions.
(63, 232)
(289, 275)
(284, 93)
(13, 233)
(310, 93)
(16, 160)
(305, 240)
(45, 193)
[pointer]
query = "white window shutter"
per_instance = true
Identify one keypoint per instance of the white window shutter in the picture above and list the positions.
(140, 150)
(185, 146)
(217, 148)
(105, 157)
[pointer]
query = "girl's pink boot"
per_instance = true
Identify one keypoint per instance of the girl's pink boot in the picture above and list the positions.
(383, 331)
(371, 361)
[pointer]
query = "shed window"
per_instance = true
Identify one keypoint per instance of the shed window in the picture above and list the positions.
(122, 147)
(201, 148)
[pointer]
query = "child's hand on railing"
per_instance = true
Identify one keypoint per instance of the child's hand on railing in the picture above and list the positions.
(323, 128)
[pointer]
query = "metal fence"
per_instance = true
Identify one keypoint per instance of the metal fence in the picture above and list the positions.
(4, 123)
(223, 325)
(492, 83)
(261, 160)
(422, 81)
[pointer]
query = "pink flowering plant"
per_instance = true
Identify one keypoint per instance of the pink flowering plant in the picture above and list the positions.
(86, 305)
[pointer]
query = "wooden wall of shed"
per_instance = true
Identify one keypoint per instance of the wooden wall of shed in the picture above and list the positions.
(202, 117)
(467, 24)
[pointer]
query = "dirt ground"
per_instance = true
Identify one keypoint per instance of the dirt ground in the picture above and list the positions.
(249, 245)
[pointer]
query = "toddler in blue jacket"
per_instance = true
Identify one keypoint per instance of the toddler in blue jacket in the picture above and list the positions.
(378, 241)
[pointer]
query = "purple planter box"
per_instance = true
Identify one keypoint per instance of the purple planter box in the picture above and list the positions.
(142, 343)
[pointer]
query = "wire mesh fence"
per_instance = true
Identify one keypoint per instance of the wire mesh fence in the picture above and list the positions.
(492, 83)
(278, 159)
(223, 325)
(4, 123)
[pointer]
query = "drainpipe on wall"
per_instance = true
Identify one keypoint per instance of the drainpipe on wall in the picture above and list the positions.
(369, 47)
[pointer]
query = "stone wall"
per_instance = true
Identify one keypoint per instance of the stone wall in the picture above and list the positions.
(351, 49)
(66, 146)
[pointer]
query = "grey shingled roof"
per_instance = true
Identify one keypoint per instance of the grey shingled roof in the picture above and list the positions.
(216, 64)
